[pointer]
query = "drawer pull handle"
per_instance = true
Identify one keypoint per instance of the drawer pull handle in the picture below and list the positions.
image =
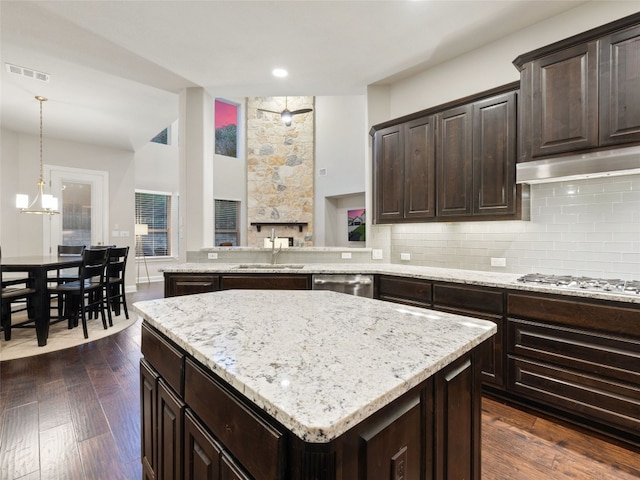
(228, 428)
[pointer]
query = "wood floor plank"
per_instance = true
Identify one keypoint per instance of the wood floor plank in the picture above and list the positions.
(86, 412)
(59, 454)
(100, 459)
(123, 414)
(20, 445)
(53, 404)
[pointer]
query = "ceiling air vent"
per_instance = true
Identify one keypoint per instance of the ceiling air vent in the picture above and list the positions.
(27, 72)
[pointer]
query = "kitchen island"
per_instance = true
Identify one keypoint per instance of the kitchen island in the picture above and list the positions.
(276, 384)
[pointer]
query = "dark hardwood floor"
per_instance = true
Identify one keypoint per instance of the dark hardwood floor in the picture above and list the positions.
(74, 414)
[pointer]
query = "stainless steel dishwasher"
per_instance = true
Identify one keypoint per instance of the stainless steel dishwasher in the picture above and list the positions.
(358, 285)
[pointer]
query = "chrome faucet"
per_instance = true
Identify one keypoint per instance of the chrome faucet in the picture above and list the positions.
(274, 252)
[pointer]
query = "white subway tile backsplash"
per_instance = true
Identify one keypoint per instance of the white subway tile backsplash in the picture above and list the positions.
(586, 227)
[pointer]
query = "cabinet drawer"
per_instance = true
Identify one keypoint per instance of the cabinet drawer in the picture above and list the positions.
(607, 356)
(258, 446)
(188, 284)
(617, 320)
(269, 282)
(165, 358)
(405, 290)
(468, 298)
(590, 397)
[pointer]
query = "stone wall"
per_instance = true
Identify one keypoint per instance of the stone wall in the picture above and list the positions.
(280, 166)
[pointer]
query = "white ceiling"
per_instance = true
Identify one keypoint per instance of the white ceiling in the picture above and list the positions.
(116, 67)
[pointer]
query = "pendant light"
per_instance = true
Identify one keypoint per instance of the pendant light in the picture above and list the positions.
(43, 204)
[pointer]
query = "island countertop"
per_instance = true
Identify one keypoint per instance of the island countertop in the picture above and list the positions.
(319, 362)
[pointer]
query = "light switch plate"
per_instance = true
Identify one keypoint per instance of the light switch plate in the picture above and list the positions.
(212, 256)
(346, 255)
(376, 254)
(405, 256)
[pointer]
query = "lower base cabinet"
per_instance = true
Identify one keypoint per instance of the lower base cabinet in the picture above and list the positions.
(578, 360)
(199, 428)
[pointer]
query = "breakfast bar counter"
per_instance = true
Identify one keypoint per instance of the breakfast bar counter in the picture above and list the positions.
(280, 384)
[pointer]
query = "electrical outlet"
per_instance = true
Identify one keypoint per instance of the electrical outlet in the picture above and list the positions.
(212, 256)
(498, 262)
(376, 254)
(405, 256)
(124, 233)
(346, 255)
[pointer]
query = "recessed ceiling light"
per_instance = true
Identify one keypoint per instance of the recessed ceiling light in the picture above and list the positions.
(279, 72)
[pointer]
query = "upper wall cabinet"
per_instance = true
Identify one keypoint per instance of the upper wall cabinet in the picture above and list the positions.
(404, 171)
(582, 93)
(451, 162)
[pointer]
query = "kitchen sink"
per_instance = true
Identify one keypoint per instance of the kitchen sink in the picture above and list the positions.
(268, 266)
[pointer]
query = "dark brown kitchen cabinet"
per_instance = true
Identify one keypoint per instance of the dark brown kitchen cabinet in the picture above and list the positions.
(494, 156)
(582, 93)
(176, 284)
(408, 291)
(265, 281)
(620, 87)
(454, 165)
(476, 158)
(578, 358)
(431, 431)
(404, 171)
(452, 162)
(388, 174)
(560, 102)
(420, 183)
(478, 302)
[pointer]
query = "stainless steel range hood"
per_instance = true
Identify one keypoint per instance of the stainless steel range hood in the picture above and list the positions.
(620, 161)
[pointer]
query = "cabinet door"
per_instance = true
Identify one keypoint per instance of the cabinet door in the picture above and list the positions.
(201, 452)
(148, 405)
(170, 412)
(388, 171)
(229, 470)
(620, 87)
(454, 162)
(494, 155)
(458, 412)
(564, 101)
(420, 169)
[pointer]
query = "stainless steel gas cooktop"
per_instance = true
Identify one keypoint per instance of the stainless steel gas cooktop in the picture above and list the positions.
(626, 287)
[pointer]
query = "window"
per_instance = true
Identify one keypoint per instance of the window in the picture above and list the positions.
(227, 221)
(154, 211)
(226, 125)
(162, 137)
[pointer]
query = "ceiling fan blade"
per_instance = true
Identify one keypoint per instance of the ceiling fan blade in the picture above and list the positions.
(268, 111)
(302, 110)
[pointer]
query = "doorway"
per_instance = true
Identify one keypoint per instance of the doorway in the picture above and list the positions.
(83, 199)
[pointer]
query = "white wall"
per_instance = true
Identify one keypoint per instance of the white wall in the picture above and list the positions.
(592, 231)
(19, 169)
(491, 66)
(341, 133)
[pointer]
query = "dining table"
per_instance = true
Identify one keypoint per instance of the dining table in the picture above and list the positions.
(37, 267)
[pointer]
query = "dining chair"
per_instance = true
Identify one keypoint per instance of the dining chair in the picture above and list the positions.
(115, 289)
(87, 293)
(14, 290)
(63, 275)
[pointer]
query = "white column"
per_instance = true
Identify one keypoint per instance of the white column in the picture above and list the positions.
(196, 144)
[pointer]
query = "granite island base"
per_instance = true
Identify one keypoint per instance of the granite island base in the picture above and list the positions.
(308, 385)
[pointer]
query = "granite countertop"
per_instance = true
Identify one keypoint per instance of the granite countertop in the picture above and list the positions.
(469, 277)
(319, 362)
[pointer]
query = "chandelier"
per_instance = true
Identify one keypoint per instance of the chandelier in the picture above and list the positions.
(42, 204)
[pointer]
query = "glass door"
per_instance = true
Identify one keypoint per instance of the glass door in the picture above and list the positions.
(83, 200)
